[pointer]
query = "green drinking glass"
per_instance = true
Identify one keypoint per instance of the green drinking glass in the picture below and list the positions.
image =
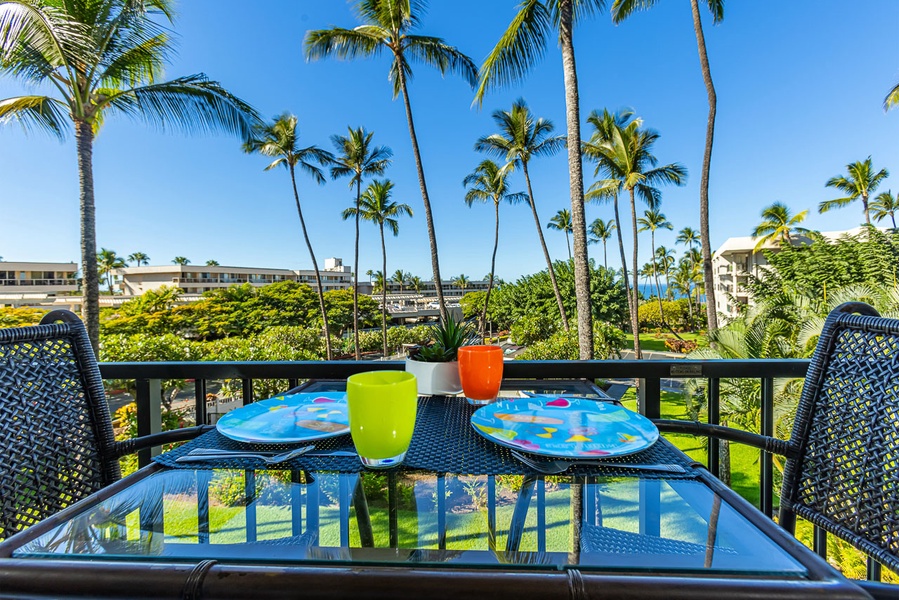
(382, 408)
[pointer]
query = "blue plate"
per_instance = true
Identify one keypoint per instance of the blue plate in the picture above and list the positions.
(565, 427)
(288, 419)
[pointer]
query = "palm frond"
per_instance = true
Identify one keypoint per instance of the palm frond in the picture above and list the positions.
(892, 98)
(36, 113)
(517, 51)
(193, 104)
(136, 63)
(363, 41)
(580, 10)
(43, 28)
(435, 52)
(827, 205)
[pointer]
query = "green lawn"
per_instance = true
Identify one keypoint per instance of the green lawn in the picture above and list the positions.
(656, 341)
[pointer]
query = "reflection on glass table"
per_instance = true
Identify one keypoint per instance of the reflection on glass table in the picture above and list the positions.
(625, 523)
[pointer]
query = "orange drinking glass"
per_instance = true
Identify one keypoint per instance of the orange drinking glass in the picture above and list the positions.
(481, 372)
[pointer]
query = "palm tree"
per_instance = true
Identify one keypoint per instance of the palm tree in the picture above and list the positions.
(212, 263)
(489, 183)
(514, 55)
(379, 281)
(415, 283)
(387, 26)
(777, 224)
(180, 260)
(862, 182)
(608, 189)
(688, 237)
(885, 205)
(400, 277)
(107, 261)
(684, 275)
(651, 221)
(627, 161)
(665, 259)
(521, 138)
(376, 206)
(103, 57)
(621, 9)
(562, 222)
(357, 156)
(461, 282)
(369, 273)
(280, 140)
(139, 258)
(601, 231)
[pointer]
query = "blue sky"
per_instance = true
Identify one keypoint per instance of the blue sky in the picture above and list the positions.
(800, 87)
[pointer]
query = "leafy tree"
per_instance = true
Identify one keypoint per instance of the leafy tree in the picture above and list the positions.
(514, 55)
(280, 140)
(561, 221)
(376, 207)
(387, 28)
(489, 183)
(533, 294)
(103, 57)
(473, 304)
(601, 231)
(885, 205)
(139, 257)
(340, 310)
(356, 156)
(621, 9)
(822, 267)
(181, 260)
(563, 345)
(107, 262)
(777, 224)
(20, 317)
(522, 137)
(861, 182)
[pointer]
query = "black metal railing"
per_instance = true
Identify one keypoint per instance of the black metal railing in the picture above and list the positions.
(649, 374)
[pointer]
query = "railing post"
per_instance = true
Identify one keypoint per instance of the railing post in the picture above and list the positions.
(148, 398)
(649, 398)
(200, 401)
(766, 476)
(714, 405)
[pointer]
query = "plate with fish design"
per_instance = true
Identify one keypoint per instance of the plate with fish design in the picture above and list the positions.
(565, 427)
(286, 419)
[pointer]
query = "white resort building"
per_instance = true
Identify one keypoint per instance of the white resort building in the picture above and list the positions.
(196, 279)
(29, 283)
(737, 259)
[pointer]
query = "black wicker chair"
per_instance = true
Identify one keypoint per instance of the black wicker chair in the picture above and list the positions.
(842, 469)
(56, 438)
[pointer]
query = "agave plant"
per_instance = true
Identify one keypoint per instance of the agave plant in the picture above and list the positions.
(446, 339)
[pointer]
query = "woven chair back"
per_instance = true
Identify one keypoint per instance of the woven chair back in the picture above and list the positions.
(846, 476)
(55, 428)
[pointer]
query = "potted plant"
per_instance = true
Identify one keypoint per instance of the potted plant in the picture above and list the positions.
(434, 365)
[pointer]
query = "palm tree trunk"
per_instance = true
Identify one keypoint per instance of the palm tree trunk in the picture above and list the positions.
(655, 275)
(568, 243)
(708, 276)
(576, 179)
(384, 292)
(627, 285)
(865, 206)
(318, 277)
(432, 236)
(357, 353)
(90, 279)
(605, 255)
(549, 262)
(635, 301)
(492, 268)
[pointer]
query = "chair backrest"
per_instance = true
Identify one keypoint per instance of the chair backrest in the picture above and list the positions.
(55, 430)
(845, 477)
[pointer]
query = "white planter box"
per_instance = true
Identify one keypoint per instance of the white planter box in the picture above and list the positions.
(435, 378)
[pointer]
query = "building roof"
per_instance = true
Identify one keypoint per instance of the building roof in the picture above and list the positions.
(747, 243)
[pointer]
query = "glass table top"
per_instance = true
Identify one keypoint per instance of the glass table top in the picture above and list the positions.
(622, 523)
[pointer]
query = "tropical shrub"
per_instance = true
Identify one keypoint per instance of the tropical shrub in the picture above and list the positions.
(677, 315)
(20, 317)
(682, 346)
(533, 328)
(563, 345)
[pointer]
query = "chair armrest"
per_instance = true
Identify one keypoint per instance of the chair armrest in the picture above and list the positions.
(131, 446)
(769, 444)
